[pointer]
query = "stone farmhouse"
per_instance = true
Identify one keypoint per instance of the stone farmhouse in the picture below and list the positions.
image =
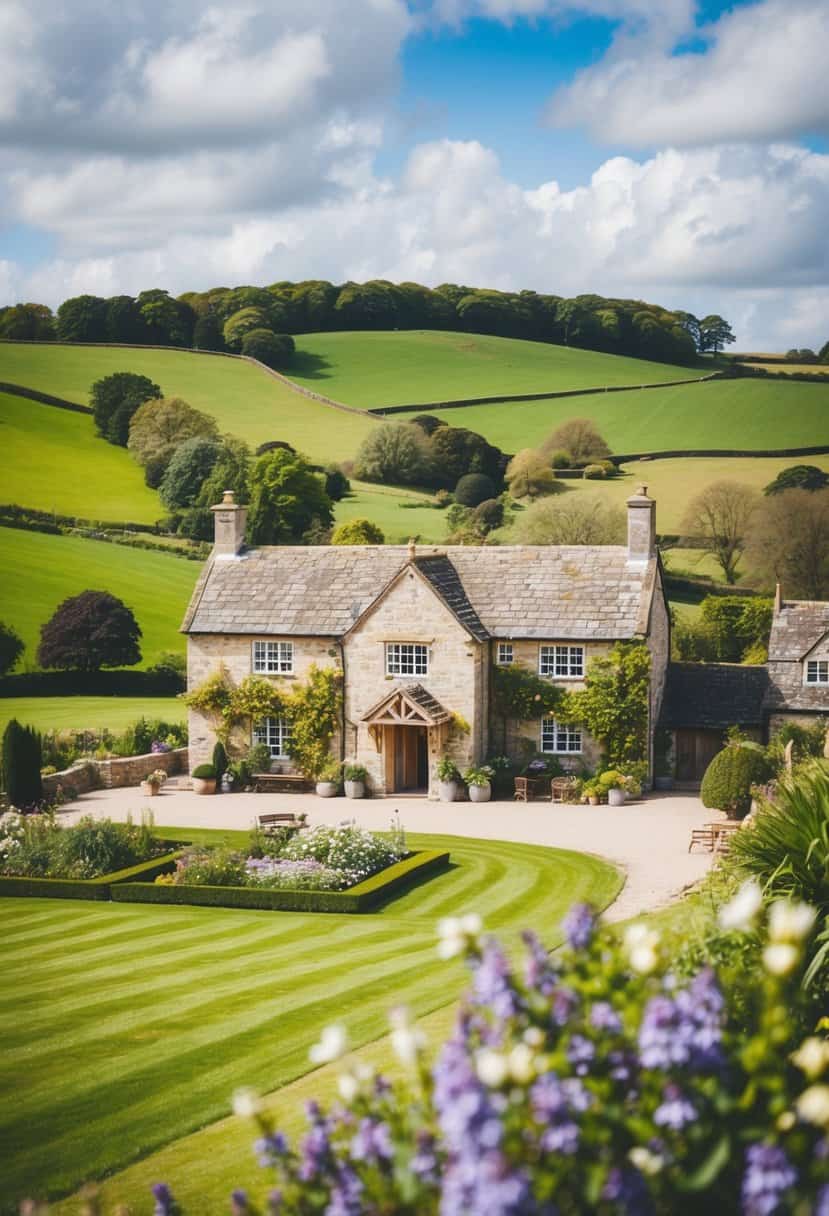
(417, 632)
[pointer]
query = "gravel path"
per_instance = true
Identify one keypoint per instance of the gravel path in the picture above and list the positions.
(647, 839)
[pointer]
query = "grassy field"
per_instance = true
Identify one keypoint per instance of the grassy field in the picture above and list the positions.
(54, 461)
(789, 369)
(722, 414)
(40, 571)
(244, 400)
(674, 482)
(139, 1034)
(374, 369)
(400, 513)
(88, 713)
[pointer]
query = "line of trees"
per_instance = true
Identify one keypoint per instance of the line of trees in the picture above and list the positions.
(247, 319)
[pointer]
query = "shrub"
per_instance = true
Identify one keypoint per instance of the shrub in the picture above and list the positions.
(204, 772)
(11, 648)
(729, 777)
(580, 439)
(38, 846)
(274, 350)
(394, 453)
(358, 532)
(560, 459)
(488, 515)
(214, 868)
(189, 467)
(219, 760)
(22, 761)
(594, 472)
(353, 852)
(114, 400)
(259, 758)
(89, 631)
(474, 488)
(447, 770)
(337, 484)
(355, 772)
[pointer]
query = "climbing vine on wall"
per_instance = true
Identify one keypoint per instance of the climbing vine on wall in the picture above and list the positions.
(613, 705)
(522, 696)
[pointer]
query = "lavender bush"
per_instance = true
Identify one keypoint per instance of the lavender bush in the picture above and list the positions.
(595, 1082)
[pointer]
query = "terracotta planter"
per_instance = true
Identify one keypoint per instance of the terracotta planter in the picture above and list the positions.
(149, 790)
(327, 789)
(355, 789)
(448, 791)
(480, 793)
(616, 797)
(204, 785)
(593, 799)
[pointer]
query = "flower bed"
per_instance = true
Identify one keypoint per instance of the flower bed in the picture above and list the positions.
(362, 897)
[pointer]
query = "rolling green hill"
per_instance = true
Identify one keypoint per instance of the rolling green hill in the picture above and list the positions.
(244, 400)
(40, 571)
(54, 461)
(747, 414)
(375, 369)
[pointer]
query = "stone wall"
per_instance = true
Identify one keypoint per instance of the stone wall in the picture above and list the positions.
(206, 653)
(116, 773)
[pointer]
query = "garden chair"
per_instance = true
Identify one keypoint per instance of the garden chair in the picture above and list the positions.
(703, 836)
(524, 789)
(560, 787)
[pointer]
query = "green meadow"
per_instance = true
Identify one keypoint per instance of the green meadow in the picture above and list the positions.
(40, 571)
(375, 369)
(54, 461)
(88, 713)
(400, 513)
(740, 414)
(139, 1034)
(244, 400)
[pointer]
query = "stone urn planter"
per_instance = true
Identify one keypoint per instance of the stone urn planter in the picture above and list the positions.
(327, 789)
(616, 797)
(354, 778)
(355, 789)
(480, 793)
(448, 780)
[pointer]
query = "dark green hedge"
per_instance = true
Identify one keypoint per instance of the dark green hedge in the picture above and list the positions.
(361, 898)
(92, 684)
(87, 888)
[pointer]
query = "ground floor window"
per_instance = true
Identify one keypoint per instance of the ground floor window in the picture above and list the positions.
(275, 733)
(558, 738)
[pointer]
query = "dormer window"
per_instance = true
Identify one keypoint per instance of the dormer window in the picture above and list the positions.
(817, 671)
(273, 658)
(407, 659)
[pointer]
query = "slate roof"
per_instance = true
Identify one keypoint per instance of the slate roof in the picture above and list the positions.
(713, 696)
(502, 591)
(796, 628)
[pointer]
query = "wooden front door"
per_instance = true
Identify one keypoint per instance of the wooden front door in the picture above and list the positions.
(695, 749)
(407, 759)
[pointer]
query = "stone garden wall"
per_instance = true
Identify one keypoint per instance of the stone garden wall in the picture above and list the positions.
(116, 773)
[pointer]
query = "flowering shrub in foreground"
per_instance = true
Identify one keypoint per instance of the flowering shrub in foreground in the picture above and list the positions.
(39, 846)
(593, 1082)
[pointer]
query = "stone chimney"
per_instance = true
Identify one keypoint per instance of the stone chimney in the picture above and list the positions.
(229, 521)
(641, 527)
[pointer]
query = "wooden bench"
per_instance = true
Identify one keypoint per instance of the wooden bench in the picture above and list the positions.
(281, 819)
(263, 782)
(703, 836)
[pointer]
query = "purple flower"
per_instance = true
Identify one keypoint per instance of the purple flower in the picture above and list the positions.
(372, 1142)
(564, 1004)
(239, 1203)
(554, 1103)
(627, 1189)
(492, 984)
(768, 1175)
(275, 1203)
(163, 1199)
(822, 1202)
(346, 1195)
(676, 1111)
(488, 1186)
(270, 1148)
(579, 926)
(539, 971)
(580, 1053)
(604, 1017)
(684, 1029)
(424, 1162)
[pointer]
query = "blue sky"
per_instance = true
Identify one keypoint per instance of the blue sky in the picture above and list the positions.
(664, 149)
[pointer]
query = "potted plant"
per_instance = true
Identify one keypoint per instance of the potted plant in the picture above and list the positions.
(355, 777)
(448, 779)
(592, 791)
(479, 779)
(328, 779)
(153, 782)
(204, 779)
(614, 784)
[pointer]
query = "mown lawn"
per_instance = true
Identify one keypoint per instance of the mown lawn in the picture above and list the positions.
(244, 400)
(399, 512)
(54, 461)
(375, 369)
(40, 571)
(739, 414)
(88, 713)
(138, 1034)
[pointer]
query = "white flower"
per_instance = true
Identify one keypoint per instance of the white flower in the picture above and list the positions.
(456, 934)
(645, 1161)
(246, 1103)
(333, 1044)
(741, 912)
(812, 1057)
(521, 1064)
(471, 924)
(534, 1036)
(492, 1067)
(813, 1105)
(348, 1086)
(790, 922)
(786, 1121)
(407, 1040)
(641, 946)
(781, 958)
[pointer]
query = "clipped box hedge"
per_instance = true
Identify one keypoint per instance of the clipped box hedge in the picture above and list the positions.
(360, 898)
(100, 888)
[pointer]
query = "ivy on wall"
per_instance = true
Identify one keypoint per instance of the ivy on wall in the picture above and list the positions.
(613, 705)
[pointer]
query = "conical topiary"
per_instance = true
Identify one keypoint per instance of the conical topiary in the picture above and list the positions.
(22, 759)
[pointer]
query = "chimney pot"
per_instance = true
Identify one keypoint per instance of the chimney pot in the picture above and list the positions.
(412, 548)
(229, 520)
(227, 496)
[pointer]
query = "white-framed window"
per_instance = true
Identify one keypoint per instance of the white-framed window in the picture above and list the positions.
(273, 658)
(407, 659)
(275, 733)
(506, 654)
(561, 662)
(559, 739)
(817, 671)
